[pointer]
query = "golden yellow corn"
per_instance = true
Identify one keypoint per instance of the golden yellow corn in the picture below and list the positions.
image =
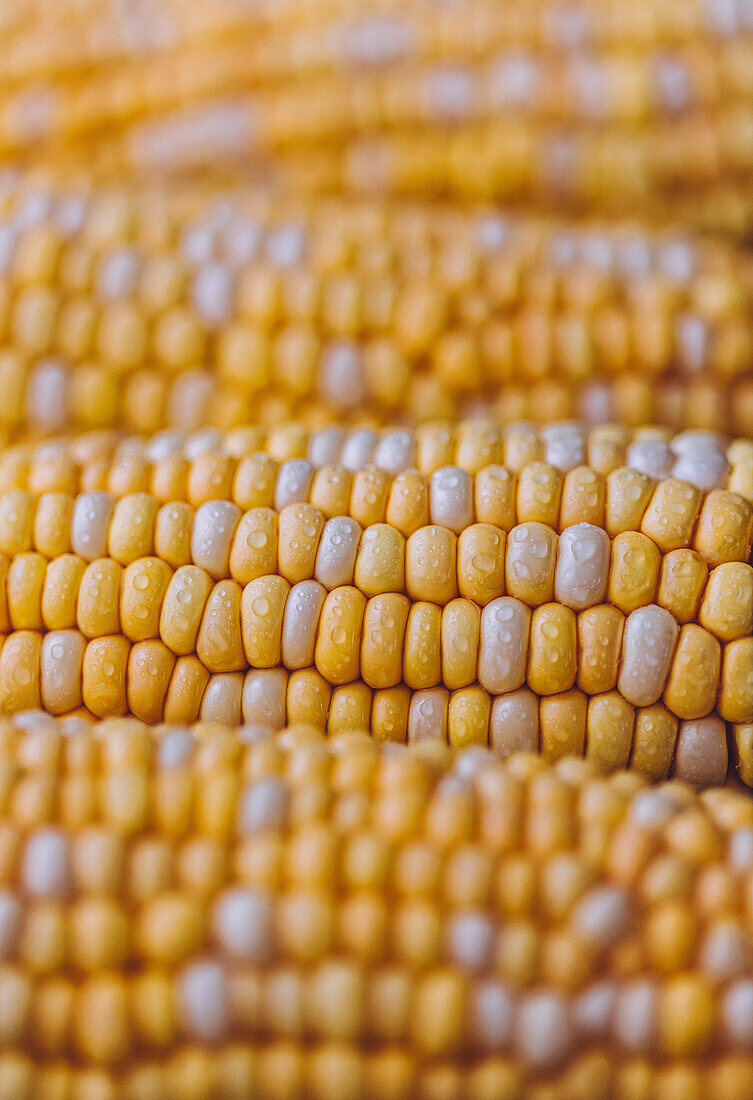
(586, 105)
(212, 913)
(619, 605)
(331, 700)
(127, 309)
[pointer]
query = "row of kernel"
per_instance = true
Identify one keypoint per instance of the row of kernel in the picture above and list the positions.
(429, 631)
(92, 396)
(202, 1001)
(268, 42)
(286, 1069)
(298, 130)
(670, 513)
(385, 644)
(111, 569)
(112, 245)
(602, 170)
(569, 459)
(266, 38)
(117, 303)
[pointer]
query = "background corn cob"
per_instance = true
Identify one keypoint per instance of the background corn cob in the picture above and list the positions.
(202, 914)
(219, 307)
(574, 105)
(537, 605)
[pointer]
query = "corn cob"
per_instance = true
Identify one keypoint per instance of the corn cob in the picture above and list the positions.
(568, 103)
(139, 310)
(205, 914)
(552, 607)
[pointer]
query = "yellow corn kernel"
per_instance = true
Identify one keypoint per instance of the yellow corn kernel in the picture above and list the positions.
(431, 565)
(142, 589)
(562, 721)
(727, 606)
(183, 608)
(422, 666)
(736, 691)
(17, 511)
(634, 572)
(20, 672)
(60, 591)
(481, 563)
(262, 611)
(552, 660)
(254, 550)
(150, 668)
(52, 524)
(300, 528)
(459, 632)
(583, 498)
(24, 585)
(477, 446)
(337, 653)
(131, 533)
(185, 690)
(628, 496)
(468, 717)
(380, 562)
(368, 496)
(98, 606)
(219, 645)
(308, 698)
(349, 709)
(408, 503)
(104, 676)
(170, 480)
(671, 514)
(686, 1016)
(330, 490)
(600, 632)
(694, 676)
(129, 473)
(222, 699)
(725, 528)
(172, 532)
(389, 714)
(522, 445)
(384, 625)
(539, 494)
(494, 497)
(681, 584)
(654, 741)
(210, 477)
(609, 730)
(4, 617)
(61, 667)
(741, 478)
(254, 481)
(530, 563)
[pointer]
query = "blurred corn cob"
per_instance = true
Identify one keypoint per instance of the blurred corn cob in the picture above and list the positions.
(200, 914)
(121, 308)
(646, 110)
(550, 604)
